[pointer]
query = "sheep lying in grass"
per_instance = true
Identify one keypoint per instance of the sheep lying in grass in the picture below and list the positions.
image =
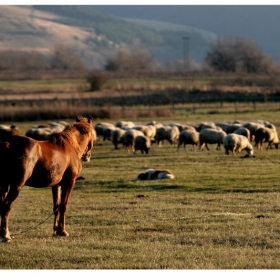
(265, 134)
(152, 174)
(142, 143)
(188, 137)
(211, 136)
(237, 143)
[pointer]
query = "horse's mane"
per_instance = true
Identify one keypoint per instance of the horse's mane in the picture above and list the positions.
(68, 134)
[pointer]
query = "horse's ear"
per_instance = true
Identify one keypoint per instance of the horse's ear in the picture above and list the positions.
(90, 119)
(79, 118)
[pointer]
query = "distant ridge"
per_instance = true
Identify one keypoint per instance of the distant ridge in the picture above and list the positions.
(258, 22)
(163, 26)
(95, 35)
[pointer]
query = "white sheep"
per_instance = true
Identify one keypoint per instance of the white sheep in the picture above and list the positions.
(232, 127)
(117, 136)
(7, 131)
(204, 125)
(171, 134)
(252, 126)
(142, 143)
(148, 130)
(222, 125)
(155, 124)
(237, 143)
(265, 134)
(103, 130)
(58, 126)
(39, 133)
(129, 137)
(121, 124)
(243, 131)
(183, 126)
(188, 137)
(211, 136)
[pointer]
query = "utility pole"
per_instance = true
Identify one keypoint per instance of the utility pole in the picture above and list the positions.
(186, 64)
(186, 49)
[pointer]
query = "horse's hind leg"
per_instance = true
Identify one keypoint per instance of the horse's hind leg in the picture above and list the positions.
(56, 192)
(4, 188)
(6, 205)
(66, 190)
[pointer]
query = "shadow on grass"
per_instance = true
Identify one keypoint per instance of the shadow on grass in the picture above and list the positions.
(163, 185)
(126, 155)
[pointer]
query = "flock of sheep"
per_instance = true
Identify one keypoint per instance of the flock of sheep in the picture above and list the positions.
(234, 137)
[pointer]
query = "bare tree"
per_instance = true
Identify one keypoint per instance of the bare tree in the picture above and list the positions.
(222, 55)
(137, 60)
(239, 54)
(251, 58)
(33, 60)
(65, 58)
(22, 60)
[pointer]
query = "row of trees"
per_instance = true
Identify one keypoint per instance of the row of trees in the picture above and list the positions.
(62, 58)
(227, 55)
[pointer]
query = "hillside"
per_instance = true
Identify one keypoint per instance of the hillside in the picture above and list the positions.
(259, 22)
(94, 35)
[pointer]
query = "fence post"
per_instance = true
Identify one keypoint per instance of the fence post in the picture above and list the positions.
(254, 106)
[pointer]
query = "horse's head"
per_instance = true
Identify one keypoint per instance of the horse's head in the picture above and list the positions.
(87, 153)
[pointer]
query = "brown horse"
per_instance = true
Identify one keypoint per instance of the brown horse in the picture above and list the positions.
(55, 163)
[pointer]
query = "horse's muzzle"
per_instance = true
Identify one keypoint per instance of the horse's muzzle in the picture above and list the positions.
(86, 158)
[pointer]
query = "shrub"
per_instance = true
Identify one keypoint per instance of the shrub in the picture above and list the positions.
(138, 59)
(96, 80)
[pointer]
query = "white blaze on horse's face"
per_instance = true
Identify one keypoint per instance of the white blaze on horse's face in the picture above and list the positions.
(87, 155)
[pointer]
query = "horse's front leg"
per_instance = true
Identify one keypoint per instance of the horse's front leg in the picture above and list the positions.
(56, 192)
(7, 199)
(66, 189)
(3, 193)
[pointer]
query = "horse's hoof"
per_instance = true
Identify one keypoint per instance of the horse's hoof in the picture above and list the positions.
(60, 233)
(6, 240)
(64, 233)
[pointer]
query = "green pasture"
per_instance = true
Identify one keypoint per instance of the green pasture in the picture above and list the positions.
(45, 85)
(220, 212)
(79, 85)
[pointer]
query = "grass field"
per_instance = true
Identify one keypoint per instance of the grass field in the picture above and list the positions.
(220, 212)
